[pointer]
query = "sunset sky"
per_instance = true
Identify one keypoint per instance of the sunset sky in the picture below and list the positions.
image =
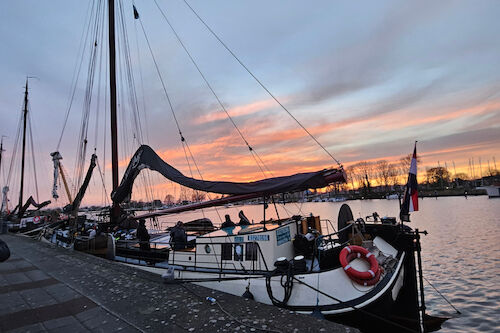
(366, 78)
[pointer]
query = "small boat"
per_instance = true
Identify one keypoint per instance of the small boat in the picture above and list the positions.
(393, 196)
(337, 199)
(493, 191)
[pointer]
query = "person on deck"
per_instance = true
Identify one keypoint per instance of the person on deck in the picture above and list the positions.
(243, 219)
(93, 232)
(143, 235)
(178, 237)
(228, 223)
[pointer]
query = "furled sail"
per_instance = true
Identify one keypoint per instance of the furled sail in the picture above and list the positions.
(145, 157)
(56, 157)
(73, 207)
(29, 202)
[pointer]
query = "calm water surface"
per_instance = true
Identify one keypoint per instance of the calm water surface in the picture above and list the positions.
(461, 253)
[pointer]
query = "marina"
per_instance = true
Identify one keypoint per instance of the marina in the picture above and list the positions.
(45, 289)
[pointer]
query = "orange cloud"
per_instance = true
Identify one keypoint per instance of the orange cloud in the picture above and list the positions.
(405, 121)
(224, 158)
(236, 111)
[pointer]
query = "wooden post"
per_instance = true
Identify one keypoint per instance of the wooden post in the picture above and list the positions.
(65, 183)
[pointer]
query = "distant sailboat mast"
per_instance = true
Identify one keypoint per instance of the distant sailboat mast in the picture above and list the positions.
(1, 152)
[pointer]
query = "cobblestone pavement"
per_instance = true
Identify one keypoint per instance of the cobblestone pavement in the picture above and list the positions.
(46, 289)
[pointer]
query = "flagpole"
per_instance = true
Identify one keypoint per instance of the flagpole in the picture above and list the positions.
(410, 198)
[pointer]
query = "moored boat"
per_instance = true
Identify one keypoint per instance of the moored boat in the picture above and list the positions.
(363, 274)
(493, 191)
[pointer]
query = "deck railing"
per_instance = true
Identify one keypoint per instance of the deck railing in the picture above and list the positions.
(333, 238)
(197, 257)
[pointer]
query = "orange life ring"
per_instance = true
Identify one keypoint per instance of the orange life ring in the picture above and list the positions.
(367, 278)
(36, 219)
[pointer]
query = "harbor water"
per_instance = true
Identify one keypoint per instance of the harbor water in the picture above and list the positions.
(461, 253)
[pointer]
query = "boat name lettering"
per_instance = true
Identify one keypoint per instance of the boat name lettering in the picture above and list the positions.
(282, 236)
(239, 239)
(258, 238)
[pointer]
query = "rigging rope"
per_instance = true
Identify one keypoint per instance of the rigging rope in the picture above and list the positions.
(182, 138)
(76, 71)
(260, 83)
(14, 150)
(95, 28)
(250, 148)
(258, 160)
(30, 134)
(103, 183)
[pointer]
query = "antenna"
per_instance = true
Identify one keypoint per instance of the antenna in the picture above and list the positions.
(1, 151)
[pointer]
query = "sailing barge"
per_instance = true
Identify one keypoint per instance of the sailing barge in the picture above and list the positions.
(19, 219)
(363, 274)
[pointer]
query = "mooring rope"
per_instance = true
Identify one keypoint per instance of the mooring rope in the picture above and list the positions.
(442, 295)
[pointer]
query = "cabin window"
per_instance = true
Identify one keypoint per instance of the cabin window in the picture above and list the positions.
(251, 251)
(238, 252)
(227, 251)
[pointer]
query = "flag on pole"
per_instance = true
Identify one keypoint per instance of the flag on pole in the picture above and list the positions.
(136, 13)
(410, 198)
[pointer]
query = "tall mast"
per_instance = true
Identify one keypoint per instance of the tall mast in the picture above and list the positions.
(112, 86)
(25, 116)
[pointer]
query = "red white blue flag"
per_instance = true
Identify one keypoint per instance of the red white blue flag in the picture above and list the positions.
(410, 199)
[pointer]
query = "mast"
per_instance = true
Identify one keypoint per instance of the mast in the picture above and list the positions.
(25, 116)
(1, 151)
(112, 86)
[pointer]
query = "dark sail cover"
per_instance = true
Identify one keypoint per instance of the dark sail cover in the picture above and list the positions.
(73, 207)
(29, 202)
(145, 157)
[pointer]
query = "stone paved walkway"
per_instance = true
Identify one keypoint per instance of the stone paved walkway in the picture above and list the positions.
(46, 289)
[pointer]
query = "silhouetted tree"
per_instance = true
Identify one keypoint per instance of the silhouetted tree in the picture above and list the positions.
(197, 196)
(169, 199)
(382, 168)
(438, 176)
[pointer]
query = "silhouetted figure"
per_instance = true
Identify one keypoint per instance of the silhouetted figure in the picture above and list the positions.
(143, 235)
(227, 223)
(178, 237)
(243, 219)
(92, 232)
